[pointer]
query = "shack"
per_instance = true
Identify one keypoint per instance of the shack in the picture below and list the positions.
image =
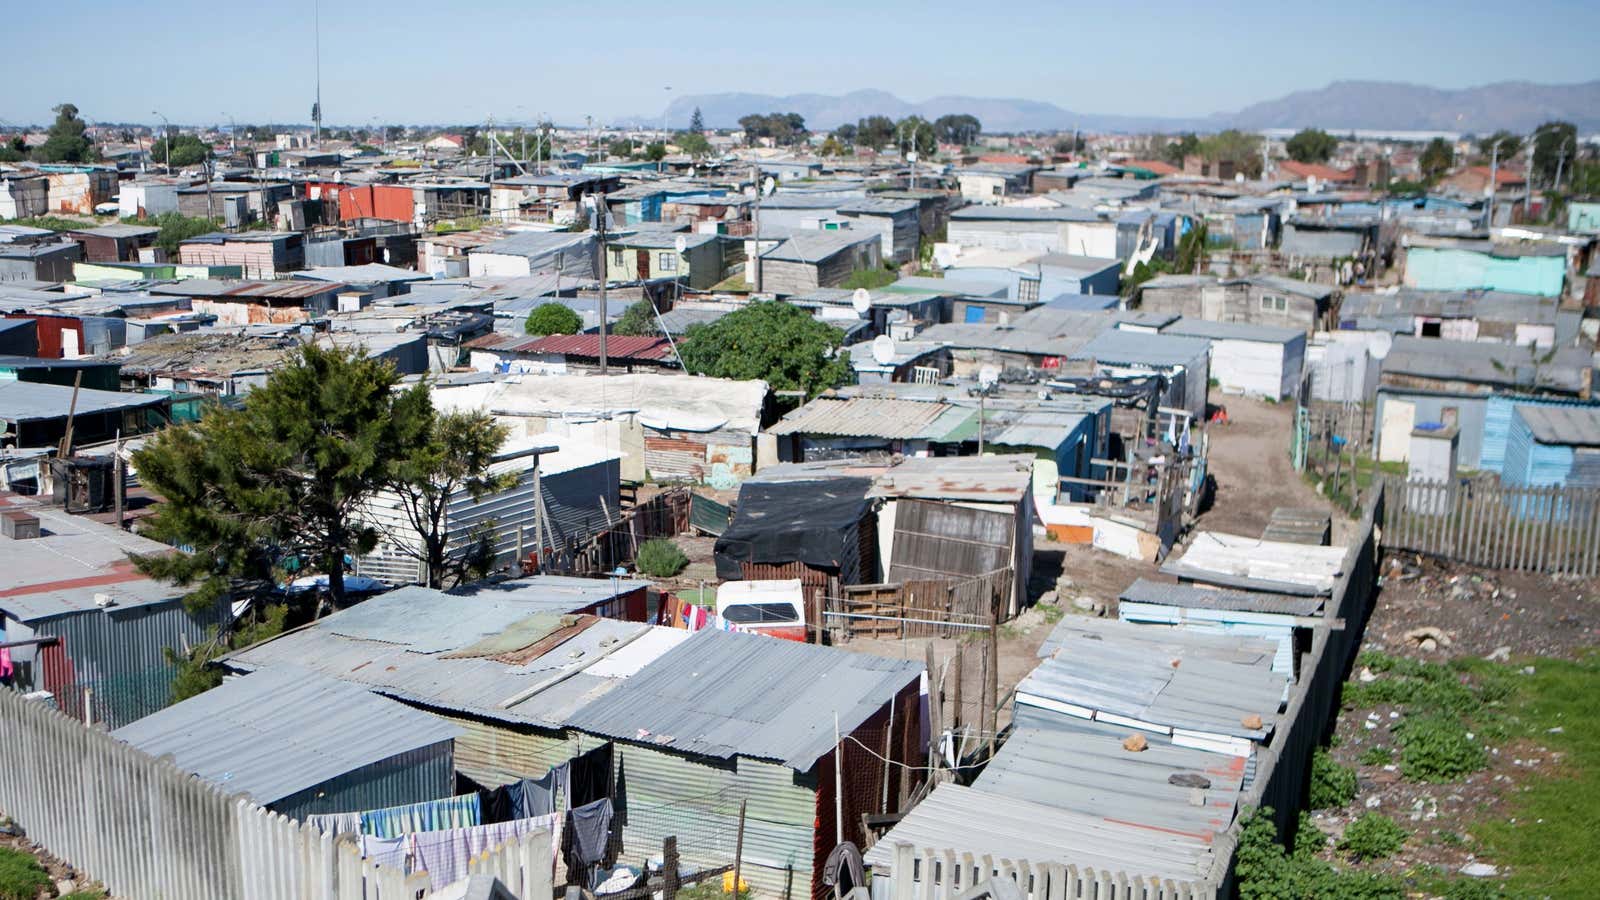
(1254, 360)
(1553, 445)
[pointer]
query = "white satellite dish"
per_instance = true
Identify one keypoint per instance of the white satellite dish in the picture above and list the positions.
(861, 301)
(768, 186)
(988, 377)
(883, 349)
(680, 244)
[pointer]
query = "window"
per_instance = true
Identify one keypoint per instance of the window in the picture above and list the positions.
(667, 262)
(1028, 290)
(1274, 303)
(761, 614)
(617, 257)
(995, 191)
(1431, 329)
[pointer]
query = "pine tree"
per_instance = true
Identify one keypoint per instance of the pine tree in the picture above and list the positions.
(66, 141)
(277, 484)
(697, 123)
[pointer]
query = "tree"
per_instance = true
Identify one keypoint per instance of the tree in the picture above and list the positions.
(1436, 159)
(958, 128)
(65, 142)
(449, 453)
(1174, 152)
(916, 134)
(638, 320)
(187, 150)
(276, 484)
(1070, 143)
(552, 318)
(831, 147)
(694, 143)
(1238, 147)
(1553, 148)
(781, 128)
(1508, 143)
(875, 132)
(1311, 145)
(175, 229)
(845, 133)
(697, 122)
(769, 340)
(655, 151)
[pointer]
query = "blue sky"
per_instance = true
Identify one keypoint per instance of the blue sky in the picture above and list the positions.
(411, 61)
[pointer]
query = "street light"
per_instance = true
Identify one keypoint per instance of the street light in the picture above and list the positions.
(168, 165)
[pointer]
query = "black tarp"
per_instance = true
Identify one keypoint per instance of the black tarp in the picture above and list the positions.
(792, 521)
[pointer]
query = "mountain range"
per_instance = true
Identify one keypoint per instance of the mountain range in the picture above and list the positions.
(1340, 107)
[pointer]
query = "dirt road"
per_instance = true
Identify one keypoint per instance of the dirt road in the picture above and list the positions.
(1249, 457)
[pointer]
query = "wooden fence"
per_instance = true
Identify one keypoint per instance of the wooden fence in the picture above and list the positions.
(922, 608)
(1553, 530)
(144, 828)
(1282, 769)
(664, 515)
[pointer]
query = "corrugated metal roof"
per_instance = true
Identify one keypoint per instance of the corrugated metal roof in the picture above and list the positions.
(985, 824)
(617, 346)
(1232, 331)
(998, 479)
(1255, 564)
(1577, 426)
(272, 734)
(1115, 346)
(118, 231)
(1190, 596)
(723, 694)
(27, 401)
(1495, 364)
(1085, 769)
(533, 244)
(874, 417)
(74, 559)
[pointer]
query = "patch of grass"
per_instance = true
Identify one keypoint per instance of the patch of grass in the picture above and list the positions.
(1051, 612)
(1332, 785)
(1376, 756)
(1438, 747)
(1373, 836)
(1265, 871)
(870, 279)
(1547, 832)
(21, 876)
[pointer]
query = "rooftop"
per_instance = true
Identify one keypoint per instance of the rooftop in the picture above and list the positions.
(877, 417)
(1230, 560)
(26, 401)
(273, 734)
(1564, 370)
(1232, 331)
(74, 559)
(675, 402)
(1573, 426)
(1116, 346)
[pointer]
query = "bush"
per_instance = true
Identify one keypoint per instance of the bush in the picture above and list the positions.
(21, 876)
(660, 558)
(1265, 872)
(1376, 756)
(871, 279)
(552, 318)
(1373, 836)
(1332, 785)
(1435, 747)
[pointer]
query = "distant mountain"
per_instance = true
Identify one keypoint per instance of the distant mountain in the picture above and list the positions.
(1341, 106)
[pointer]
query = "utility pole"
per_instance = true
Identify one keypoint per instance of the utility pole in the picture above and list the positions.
(605, 263)
(316, 40)
(1494, 181)
(756, 225)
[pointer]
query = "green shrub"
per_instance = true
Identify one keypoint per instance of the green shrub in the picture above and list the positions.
(552, 318)
(1435, 747)
(1373, 836)
(1264, 871)
(1376, 756)
(21, 876)
(660, 558)
(1332, 785)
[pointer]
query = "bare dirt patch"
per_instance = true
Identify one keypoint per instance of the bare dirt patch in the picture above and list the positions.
(1249, 458)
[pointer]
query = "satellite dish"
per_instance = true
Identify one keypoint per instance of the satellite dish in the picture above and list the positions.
(883, 349)
(768, 186)
(988, 377)
(861, 301)
(681, 244)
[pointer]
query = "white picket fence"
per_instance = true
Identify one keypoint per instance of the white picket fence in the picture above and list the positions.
(144, 828)
(948, 875)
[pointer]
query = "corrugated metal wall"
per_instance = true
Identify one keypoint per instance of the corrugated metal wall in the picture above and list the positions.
(426, 773)
(117, 654)
(494, 753)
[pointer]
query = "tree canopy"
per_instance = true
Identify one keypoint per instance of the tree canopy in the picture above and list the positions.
(694, 143)
(917, 135)
(1174, 150)
(1238, 147)
(552, 318)
(783, 128)
(263, 491)
(638, 320)
(1508, 143)
(697, 122)
(769, 340)
(1311, 145)
(187, 150)
(875, 132)
(1436, 159)
(957, 128)
(1554, 146)
(65, 141)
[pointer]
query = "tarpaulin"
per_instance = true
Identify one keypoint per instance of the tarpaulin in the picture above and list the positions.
(783, 522)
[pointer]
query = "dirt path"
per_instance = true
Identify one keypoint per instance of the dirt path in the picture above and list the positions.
(1249, 458)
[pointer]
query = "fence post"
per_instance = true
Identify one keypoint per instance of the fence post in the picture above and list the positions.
(669, 868)
(738, 849)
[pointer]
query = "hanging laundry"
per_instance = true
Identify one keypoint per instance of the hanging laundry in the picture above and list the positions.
(391, 853)
(431, 815)
(337, 823)
(445, 855)
(590, 776)
(539, 796)
(590, 832)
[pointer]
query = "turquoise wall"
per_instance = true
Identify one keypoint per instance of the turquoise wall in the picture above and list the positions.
(1445, 269)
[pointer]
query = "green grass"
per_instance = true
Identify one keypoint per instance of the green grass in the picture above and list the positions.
(1376, 756)
(1373, 836)
(21, 876)
(870, 279)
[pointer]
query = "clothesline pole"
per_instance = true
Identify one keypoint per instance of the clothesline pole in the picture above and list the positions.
(738, 850)
(838, 786)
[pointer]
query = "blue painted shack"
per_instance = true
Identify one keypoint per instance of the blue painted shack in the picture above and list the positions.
(1458, 264)
(1553, 445)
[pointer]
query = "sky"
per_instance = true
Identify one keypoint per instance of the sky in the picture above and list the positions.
(200, 62)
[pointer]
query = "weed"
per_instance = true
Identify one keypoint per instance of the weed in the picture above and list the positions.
(1265, 872)
(1376, 756)
(1332, 785)
(1373, 836)
(661, 558)
(21, 876)
(1438, 747)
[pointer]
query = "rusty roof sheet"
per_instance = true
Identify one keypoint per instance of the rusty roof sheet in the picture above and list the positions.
(282, 290)
(654, 349)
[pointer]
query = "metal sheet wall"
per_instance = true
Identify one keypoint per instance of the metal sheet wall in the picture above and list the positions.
(494, 753)
(425, 773)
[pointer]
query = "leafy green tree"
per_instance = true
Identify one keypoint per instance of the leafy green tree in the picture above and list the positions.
(552, 318)
(831, 147)
(448, 453)
(1508, 143)
(14, 150)
(1238, 147)
(957, 128)
(769, 340)
(916, 134)
(655, 152)
(694, 143)
(66, 142)
(1311, 145)
(875, 132)
(1553, 145)
(638, 320)
(187, 150)
(697, 122)
(782, 128)
(175, 229)
(1436, 159)
(660, 558)
(1070, 143)
(281, 477)
(845, 134)
(1174, 152)
(193, 673)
